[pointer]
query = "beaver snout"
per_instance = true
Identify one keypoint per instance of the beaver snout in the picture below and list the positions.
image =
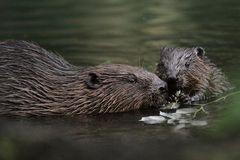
(159, 86)
(172, 80)
(172, 84)
(159, 94)
(163, 88)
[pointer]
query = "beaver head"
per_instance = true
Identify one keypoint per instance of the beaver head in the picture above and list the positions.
(119, 88)
(185, 69)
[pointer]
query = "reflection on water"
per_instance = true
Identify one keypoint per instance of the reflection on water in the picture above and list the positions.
(90, 32)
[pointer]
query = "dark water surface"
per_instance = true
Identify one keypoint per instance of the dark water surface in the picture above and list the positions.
(90, 32)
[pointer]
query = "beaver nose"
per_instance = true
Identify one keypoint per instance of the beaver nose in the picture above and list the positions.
(172, 80)
(163, 88)
(172, 85)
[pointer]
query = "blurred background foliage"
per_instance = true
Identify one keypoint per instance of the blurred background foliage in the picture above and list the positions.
(91, 32)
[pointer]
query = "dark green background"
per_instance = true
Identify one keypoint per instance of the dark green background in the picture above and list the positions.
(90, 32)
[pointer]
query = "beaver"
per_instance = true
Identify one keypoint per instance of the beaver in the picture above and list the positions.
(190, 71)
(34, 81)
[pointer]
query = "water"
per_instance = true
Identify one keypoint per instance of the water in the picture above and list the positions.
(91, 32)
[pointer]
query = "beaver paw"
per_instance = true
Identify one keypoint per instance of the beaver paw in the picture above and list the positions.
(185, 99)
(195, 98)
(190, 100)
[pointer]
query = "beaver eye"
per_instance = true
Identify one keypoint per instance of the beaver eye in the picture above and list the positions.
(132, 79)
(187, 65)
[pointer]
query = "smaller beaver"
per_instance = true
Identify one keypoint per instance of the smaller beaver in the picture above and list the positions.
(190, 71)
(34, 81)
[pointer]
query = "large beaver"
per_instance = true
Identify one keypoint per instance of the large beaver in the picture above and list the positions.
(191, 72)
(34, 81)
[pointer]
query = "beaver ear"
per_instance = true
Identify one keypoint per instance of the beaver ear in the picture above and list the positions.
(200, 52)
(93, 81)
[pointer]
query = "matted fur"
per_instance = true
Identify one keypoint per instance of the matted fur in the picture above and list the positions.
(195, 74)
(34, 81)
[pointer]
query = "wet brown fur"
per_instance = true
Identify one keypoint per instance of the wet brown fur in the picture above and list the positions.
(34, 81)
(196, 75)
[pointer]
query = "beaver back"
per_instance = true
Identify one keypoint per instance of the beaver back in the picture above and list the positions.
(34, 81)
